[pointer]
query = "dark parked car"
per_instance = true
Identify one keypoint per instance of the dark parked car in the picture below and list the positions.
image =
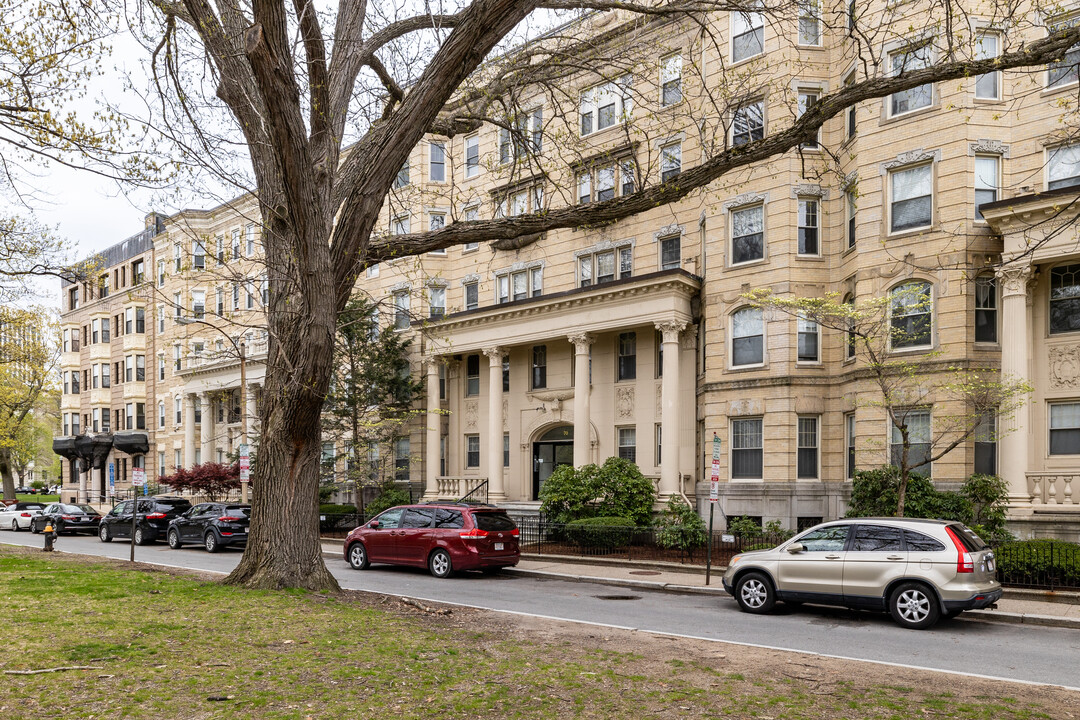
(154, 515)
(443, 537)
(66, 518)
(213, 525)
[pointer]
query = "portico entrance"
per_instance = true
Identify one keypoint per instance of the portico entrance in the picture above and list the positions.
(552, 449)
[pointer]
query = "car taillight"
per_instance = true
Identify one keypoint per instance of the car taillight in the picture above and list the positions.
(515, 533)
(25, 515)
(156, 516)
(474, 533)
(964, 561)
(68, 517)
(229, 518)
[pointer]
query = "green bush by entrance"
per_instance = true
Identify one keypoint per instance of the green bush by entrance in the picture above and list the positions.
(615, 489)
(600, 532)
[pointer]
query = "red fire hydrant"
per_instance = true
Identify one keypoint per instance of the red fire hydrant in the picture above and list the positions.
(50, 536)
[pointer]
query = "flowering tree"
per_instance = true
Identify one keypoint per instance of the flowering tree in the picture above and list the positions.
(214, 480)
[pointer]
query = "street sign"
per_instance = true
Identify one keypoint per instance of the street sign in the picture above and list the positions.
(112, 476)
(714, 485)
(138, 477)
(245, 463)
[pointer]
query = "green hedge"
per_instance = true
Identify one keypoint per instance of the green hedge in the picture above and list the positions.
(1039, 562)
(336, 516)
(600, 532)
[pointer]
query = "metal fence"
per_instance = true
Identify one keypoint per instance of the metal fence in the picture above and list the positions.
(1041, 564)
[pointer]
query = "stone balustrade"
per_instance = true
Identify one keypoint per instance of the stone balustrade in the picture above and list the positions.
(1054, 488)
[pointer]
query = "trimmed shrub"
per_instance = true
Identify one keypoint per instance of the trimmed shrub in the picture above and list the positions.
(390, 494)
(875, 493)
(743, 526)
(615, 489)
(600, 532)
(1039, 562)
(681, 528)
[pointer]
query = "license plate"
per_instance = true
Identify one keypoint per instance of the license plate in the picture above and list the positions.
(990, 565)
(498, 546)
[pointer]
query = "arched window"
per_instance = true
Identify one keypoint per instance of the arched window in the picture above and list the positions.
(911, 318)
(747, 337)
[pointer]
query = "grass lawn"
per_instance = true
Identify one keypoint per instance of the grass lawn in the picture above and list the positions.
(37, 498)
(168, 645)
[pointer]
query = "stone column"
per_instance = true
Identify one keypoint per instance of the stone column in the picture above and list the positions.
(582, 390)
(189, 430)
(669, 414)
(496, 491)
(251, 410)
(1013, 431)
(434, 423)
(207, 435)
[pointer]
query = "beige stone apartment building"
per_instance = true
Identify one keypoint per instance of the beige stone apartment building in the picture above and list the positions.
(633, 339)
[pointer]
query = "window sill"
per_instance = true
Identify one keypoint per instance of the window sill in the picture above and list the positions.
(746, 480)
(988, 101)
(735, 63)
(809, 365)
(920, 350)
(849, 250)
(608, 130)
(1064, 87)
(801, 46)
(912, 232)
(933, 107)
(987, 346)
(747, 368)
(810, 258)
(748, 263)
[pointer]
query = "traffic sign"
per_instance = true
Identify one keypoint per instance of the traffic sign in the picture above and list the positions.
(245, 463)
(138, 477)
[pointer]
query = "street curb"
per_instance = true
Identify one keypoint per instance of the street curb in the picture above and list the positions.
(993, 616)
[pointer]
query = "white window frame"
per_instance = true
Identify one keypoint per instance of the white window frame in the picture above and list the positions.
(744, 24)
(808, 97)
(589, 105)
(1050, 425)
(671, 75)
(1071, 74)
(400, 224)
(930, 311)
(895, 438)
(626, 442)
(1057, 157)
(896, 172)
(806, 326)
(982, 52)
(809, 23)
(807, 428)
(667, 239)
(807, 221)
(670, 161)
(472, 156)
(915, 51)
(733, 422)
(436, 301)
(436, 147)
(740, 212)
(986, 185)
(732, 338)
(743, 129)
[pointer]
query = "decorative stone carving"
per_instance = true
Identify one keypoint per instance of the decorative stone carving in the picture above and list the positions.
(748, 198)
(505, 418)
(604, 245)
(471, 414)
(1065, 367)
(988, 147)
(667, 231)
(472, 277)
(581, 341)
(494, 354)
(809, 190)
(671, 329)
(910, 158)
(1014, 279)
(624, 402)
(659, 400)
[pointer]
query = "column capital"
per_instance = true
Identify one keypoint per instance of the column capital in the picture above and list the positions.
(671, 329)
(1015, 279)
(495, 354)
(581, 341)
(432, 362)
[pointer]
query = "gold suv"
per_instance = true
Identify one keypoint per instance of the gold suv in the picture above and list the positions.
(916, 570)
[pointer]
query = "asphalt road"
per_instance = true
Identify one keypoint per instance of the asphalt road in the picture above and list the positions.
(1021, 653)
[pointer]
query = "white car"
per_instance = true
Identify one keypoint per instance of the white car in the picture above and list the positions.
(17, 517)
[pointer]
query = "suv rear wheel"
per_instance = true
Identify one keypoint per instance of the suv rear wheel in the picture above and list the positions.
(913, 605)
(439, 564)
(754, 593)
(211, 542)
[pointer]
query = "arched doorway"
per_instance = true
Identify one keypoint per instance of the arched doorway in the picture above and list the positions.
(552, 449)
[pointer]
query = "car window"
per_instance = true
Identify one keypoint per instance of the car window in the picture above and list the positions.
(493, 521)
(118, 509)
(449, 519)
(234, 510)
(79, 508)
(416, 518)
(50, 508)
(971, 541)
(390, 518)
(917, 542)
(878, 538)
(167, 505)
(831, 538)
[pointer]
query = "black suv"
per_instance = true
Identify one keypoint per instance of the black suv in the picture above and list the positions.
(213, 525)
(152, 521)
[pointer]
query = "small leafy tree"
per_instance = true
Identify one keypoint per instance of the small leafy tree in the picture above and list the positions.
(390, 494)
(615, 489)
(214, 480)
(681, 528)
(907, 385)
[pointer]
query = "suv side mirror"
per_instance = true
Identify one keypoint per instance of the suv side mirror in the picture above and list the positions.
(374, 524)
(795, 548)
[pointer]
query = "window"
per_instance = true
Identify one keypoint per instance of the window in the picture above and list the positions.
(178, 408)
(437, 302)
(1065, 299)
(235, 296)
(1063, 167)
(747, 337)
(536, 281)
(670, 80)
(73, 298)
(627, 443)
(161, 414)
(809, 22)
(807, 449)
(849, 431)
(851, 209)
(670, 161)
(129, 320)
(198, 304)
(506, 374)
(178, 305)
(626, 261)
(140, 368)
(808, 227)
(748, 123)
(987, 86)
(658, 443)
(472, 156)
(472, 451)
(103, 286)
(235, 243)
(176, 357)
(747, 35)
(912, 194)
(911, 319)
(95, 331)
(161, 367)
(518, 202)
(985, 309)
(402, 177)
(249, 293)
(987, 181)
(912, 58)
(106, 380)
(97, 419)
(627, 357)
(129, 368)
(401, 459)
(373, 270)
(220, 249)
(161, 319)
(1067, 71)
(400, 225)
(519, 285)
(807, 100)
(198, 252)
(808, 340)
(601, 267)
(129, 416)
(852, 114)
(604, 105)
(506, 449)
(878, 538)
(472, 295)
(249, 237)
(539, 367)
(670, 252)
(401, 309)
(137, 272)
(177, 258)
(95, 376)
(1065, 429)
(985, 437)
(747, 235)
(918, 428)
(106, 425)
(472, 375)
(605, 183)
(74, 423)
(438, 162)
(746, 449)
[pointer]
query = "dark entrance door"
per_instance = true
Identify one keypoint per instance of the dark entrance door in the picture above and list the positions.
(552, 449)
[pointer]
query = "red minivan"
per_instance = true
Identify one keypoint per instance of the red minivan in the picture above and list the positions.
(443, 537)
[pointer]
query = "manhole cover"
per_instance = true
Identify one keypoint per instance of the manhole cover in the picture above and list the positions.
(617, 597)
(644, 572)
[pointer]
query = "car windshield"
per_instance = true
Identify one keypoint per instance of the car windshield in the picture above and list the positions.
(78, 508)
(29, 506)
(493, 521)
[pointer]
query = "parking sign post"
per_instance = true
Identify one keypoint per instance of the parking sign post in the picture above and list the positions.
(714, 498)
(138, 477)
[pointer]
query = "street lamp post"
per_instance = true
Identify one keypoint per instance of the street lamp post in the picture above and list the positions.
(240, 348)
